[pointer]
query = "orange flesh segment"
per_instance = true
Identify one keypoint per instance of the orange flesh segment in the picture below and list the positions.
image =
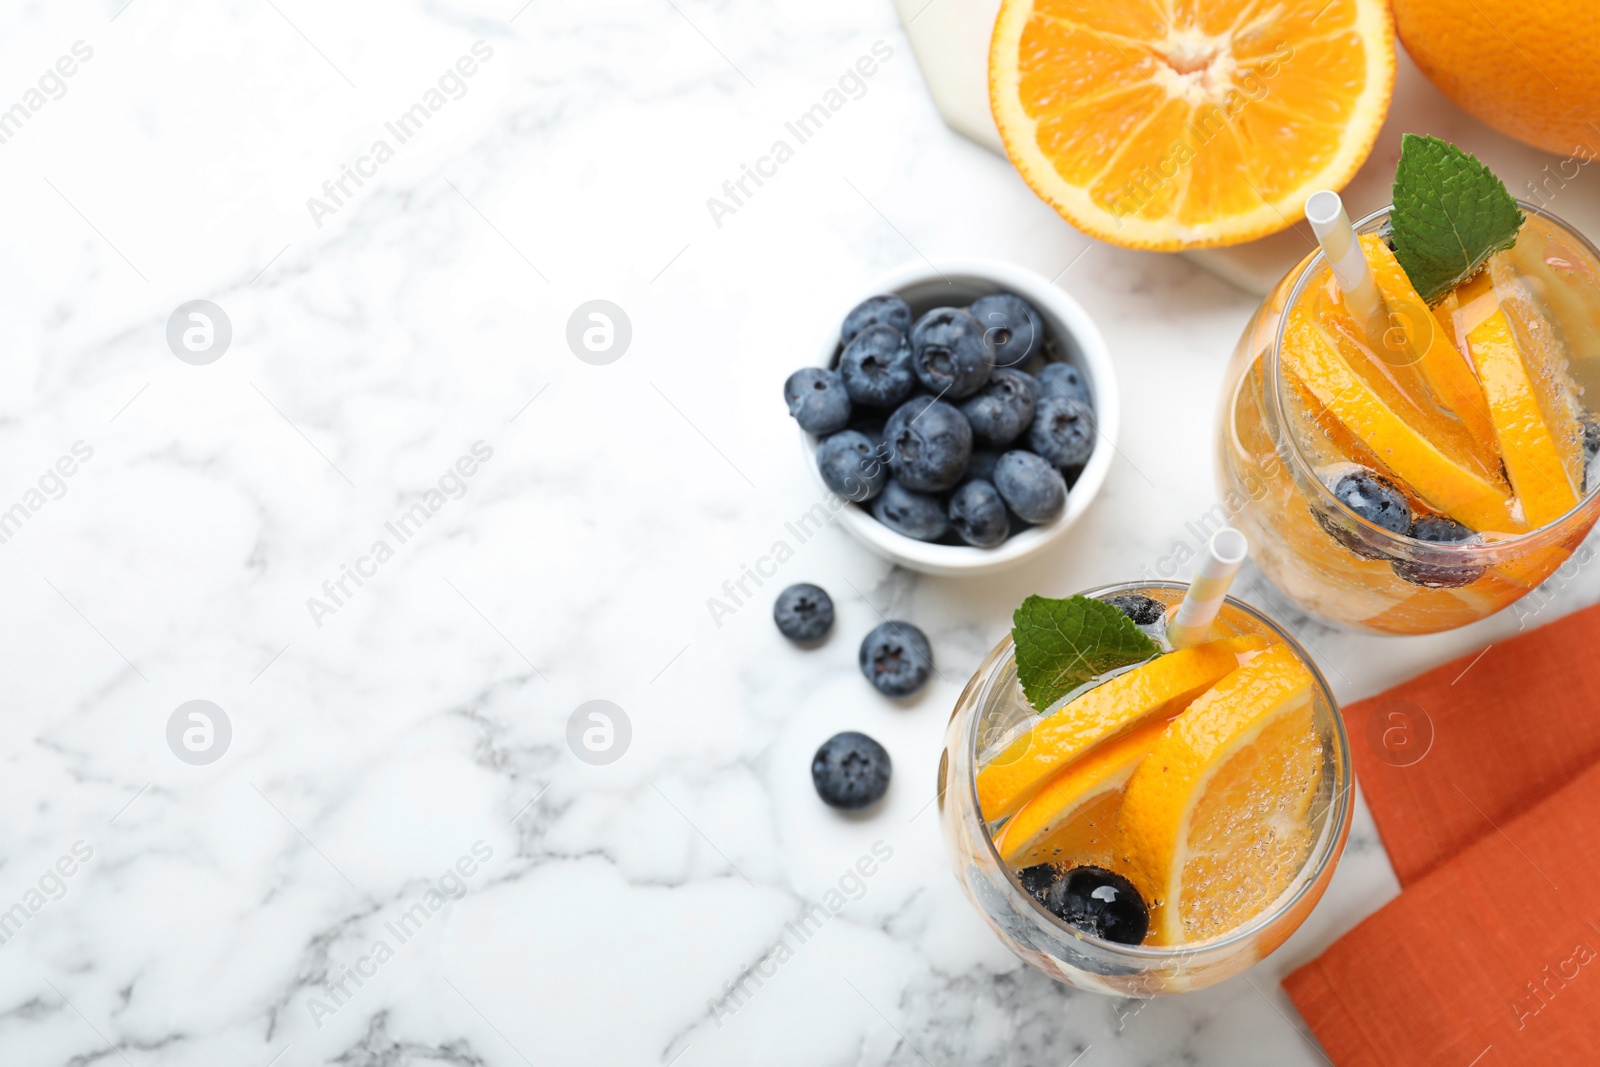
(1087, 835)
(1216, 818)
(1401, 386)
(1162, 685)
(1312, 355)
(1548, 353)
(1534, 463)
(1445, 370)
(1079, 785)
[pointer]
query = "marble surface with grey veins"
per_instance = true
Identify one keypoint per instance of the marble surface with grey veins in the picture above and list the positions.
(393, 532)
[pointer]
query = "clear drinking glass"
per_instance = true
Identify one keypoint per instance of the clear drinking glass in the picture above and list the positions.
(989, 713)
(1324, 557)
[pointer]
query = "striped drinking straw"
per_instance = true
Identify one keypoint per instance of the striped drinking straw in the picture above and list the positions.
(1329, 221)
(1191, 623)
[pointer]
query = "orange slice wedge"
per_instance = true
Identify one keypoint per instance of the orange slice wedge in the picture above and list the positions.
(1533, 461)
(1080, 803)
(1446, 371)
(1164, 684)
(1216, 817)
(1163, 125)
(1312, 355)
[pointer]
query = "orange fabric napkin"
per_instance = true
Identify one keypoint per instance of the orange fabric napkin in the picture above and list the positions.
(1511, 724)
(1490, 957)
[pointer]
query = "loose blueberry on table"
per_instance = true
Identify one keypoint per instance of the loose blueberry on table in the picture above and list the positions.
(803, 612)
(896, 658)
(851, 771)
(919, 416)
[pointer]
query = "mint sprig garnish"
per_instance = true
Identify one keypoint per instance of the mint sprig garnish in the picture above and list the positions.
(1063, 643)
(1451, 213)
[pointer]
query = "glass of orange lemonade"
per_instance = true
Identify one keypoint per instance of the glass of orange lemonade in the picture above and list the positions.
(1424, 476)
(1170, 817)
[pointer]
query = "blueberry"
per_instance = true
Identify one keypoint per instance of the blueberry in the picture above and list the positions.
(876, 311)
(981, 465)
(1099, 902)
(1014, 329)
(851, 771)
(1439, 530)
(871, 429)
(1372, 497)
(817, 400)
(950, 353)
(803, 612)
(1030, 486)
(1062, 431)
(1063, 379)
(876, 367)
(978, 515)
(896, 659)
(909, 513)
(852, 465)
(1143, 610)
(1002, 409)
(1591, 450)
(1037, 880)
(928, 443)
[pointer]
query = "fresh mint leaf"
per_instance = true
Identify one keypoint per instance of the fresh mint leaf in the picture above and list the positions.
(1451, 213)
(1063, 643)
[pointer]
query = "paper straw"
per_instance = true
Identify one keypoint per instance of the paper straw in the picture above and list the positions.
(1325, 211)
(1225, 552)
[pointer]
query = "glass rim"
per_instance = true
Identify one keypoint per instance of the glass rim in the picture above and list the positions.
(1375, 535)
(1327, 848)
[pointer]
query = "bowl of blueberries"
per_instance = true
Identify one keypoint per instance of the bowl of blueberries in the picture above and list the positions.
(964, 415)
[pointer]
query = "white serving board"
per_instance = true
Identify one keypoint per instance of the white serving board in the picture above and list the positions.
(951, 41)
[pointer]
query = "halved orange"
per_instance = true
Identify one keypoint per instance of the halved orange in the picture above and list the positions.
(1216, 817)
(1164, 684)
(1168, 124)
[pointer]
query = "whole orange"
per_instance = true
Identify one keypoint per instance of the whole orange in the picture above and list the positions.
(1529, 68)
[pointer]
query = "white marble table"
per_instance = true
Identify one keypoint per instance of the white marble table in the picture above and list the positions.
(410, 732)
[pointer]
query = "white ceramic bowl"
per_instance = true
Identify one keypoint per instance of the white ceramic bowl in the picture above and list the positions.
(1076, 338)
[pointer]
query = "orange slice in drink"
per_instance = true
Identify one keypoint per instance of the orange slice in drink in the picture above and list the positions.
(1533, 460)
(1446, 371)
(1080, 802)
(1448, 482)
(1166, 125)
(1216, 818)
(1162, 685)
